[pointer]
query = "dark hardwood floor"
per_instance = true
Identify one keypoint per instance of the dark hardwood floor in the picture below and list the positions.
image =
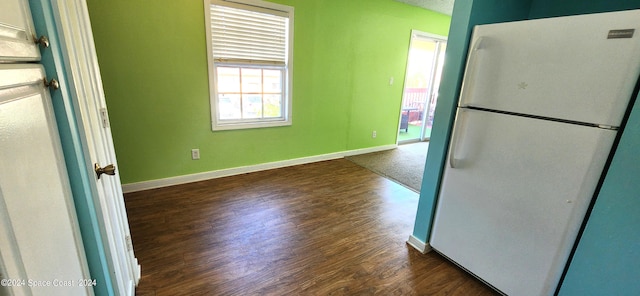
(327, 228)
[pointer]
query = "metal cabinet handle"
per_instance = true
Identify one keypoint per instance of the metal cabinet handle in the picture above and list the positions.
(109, 170)
(53, 84)
(43, 41)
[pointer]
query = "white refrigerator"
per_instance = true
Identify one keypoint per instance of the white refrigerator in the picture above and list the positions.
(539, 111)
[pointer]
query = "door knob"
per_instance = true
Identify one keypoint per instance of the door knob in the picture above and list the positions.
(109, 170)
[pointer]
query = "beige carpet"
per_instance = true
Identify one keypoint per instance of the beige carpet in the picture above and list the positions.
(404, 165)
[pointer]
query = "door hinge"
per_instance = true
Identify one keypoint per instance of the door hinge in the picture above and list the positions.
(129, 243)
(104, 117)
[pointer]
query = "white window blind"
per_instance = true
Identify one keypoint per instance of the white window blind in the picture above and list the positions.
(248, 36)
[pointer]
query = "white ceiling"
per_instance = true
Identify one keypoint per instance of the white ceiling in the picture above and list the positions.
(441, 6)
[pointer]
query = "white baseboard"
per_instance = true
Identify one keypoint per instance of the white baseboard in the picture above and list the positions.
(152, 184)
(419, 245)
(367, 150)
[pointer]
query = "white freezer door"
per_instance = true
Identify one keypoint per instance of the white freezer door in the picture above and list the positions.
(510, 209)
(562, 67)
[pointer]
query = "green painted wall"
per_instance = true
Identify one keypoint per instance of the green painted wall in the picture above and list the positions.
(154, 69)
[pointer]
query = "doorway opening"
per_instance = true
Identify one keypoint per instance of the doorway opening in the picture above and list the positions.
(422, 80)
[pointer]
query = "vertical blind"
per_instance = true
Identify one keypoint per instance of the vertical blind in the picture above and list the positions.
(248, 36)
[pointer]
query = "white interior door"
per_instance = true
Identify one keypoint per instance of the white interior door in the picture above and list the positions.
(40, 247)
(84, 77)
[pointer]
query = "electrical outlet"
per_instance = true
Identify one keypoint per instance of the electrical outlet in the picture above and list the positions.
(374, 134)
(195, 154)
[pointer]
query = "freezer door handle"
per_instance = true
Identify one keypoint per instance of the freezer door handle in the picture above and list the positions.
(468, 84)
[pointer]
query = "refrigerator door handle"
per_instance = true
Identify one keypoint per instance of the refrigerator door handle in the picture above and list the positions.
(454, 137)
(468, 84)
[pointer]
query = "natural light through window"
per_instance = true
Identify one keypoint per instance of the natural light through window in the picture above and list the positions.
(249, 63)
(249, 93)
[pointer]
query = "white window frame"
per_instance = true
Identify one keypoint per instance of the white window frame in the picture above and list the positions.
(260, 6)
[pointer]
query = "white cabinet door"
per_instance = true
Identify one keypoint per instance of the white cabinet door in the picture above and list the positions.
(510, 208)
(39, 236)
(16, 32)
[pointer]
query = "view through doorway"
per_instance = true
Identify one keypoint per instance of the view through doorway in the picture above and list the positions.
(420, 94)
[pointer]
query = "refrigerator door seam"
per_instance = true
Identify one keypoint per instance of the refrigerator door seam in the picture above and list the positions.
(596, 125)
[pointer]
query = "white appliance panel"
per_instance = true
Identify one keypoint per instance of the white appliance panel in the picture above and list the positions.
(564, 67)
(510, 209)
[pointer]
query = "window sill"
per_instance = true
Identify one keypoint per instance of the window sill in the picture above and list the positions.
(249, 125)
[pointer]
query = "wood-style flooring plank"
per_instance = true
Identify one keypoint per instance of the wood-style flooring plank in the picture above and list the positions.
(327, 228)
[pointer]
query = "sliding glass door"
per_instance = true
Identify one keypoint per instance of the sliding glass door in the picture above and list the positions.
(420, 95)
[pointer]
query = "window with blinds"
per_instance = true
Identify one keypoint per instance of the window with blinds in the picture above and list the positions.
(249, 63)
